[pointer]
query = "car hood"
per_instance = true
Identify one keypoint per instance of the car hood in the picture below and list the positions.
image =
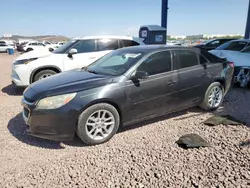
(34, 54)
(66, 82)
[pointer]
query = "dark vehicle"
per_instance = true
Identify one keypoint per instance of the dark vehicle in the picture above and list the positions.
(235, 45)
(212, 44)
(125, 86)
(19, 47)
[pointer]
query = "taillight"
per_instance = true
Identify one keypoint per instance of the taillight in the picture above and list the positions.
(231, 64)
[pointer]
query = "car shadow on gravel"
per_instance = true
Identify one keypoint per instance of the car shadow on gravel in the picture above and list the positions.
(12, 90)
(17, 128)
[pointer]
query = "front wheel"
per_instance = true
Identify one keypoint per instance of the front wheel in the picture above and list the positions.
(213, 97)
(98, 123)
(43, 74)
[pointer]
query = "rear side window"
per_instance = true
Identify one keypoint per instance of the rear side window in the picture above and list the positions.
(186, 58)
(157, 63)
(84, 46)
(127, 43)
(107, 44)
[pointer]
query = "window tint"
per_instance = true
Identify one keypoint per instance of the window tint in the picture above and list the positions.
(186, 58)
(40, 44)
(157, 63)
(107, 44)
(214, 43)
(237, 46)
(127, 43)
(84, 46)
(33, 44)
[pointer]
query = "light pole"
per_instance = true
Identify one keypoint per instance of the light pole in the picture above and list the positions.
(247, 32)
(164, 13)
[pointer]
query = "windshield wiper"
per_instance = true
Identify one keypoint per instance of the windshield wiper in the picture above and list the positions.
(90, 71)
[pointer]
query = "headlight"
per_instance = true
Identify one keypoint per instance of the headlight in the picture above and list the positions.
(55, 101)
(24, 61)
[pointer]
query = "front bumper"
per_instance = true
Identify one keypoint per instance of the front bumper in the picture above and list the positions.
(20, 75)
(57, 124)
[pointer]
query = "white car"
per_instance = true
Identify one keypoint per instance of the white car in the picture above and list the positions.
(77, 53)
(34, 45)
(4, 47)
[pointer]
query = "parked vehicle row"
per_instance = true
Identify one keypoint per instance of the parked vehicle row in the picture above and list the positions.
(237, 51)
(116, 86)
(39, 64)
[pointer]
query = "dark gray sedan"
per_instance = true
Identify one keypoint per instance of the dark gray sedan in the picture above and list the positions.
(125, 86)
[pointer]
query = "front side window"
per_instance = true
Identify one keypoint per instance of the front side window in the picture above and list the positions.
(33, 44)
(40, 44)
(186, 58)
(85, 46)
(157, 63)
(214, 43)
(107, 44)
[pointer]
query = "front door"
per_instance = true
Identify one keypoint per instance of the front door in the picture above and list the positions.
(152, 96)
(192, 77)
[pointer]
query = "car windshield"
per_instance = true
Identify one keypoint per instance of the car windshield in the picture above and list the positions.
(62, 49)
(116, 62)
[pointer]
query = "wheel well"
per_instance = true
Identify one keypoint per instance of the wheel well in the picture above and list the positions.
(222, 82)
(41, 69)
(107, 102)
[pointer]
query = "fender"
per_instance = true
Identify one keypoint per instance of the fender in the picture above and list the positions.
(42, 68)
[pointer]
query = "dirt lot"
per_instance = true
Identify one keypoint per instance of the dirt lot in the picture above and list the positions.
(142, 155)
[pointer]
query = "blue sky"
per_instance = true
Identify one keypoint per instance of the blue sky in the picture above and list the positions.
(75, 18)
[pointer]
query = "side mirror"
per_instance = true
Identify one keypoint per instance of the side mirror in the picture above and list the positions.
(140, 75)
(72, 52)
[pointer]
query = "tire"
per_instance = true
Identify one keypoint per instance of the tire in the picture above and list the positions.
(83, 131)
(29, 49)
(44, 74)
(205, 102)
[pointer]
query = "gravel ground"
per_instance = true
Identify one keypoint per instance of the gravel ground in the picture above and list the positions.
(142, 155)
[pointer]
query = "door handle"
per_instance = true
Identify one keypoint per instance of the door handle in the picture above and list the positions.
(170, 83)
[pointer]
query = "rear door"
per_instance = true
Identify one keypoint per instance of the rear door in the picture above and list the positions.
(193, 77)
(153, 96)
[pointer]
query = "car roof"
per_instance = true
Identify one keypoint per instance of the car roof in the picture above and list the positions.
(240, 40)
(153, 47)
(106, 36)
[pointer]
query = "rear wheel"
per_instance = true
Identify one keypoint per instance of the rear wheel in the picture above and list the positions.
(213, 97)
(43, 74)
(29, 49)
(98, 123)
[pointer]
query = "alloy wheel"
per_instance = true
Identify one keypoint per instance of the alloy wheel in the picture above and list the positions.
(215, 97)
(100, 124)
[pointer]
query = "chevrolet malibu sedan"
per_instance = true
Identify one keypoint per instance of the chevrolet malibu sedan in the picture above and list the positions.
(125, 86)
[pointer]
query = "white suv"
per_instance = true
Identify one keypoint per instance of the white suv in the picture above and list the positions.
(77, 53)
(34, 46)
